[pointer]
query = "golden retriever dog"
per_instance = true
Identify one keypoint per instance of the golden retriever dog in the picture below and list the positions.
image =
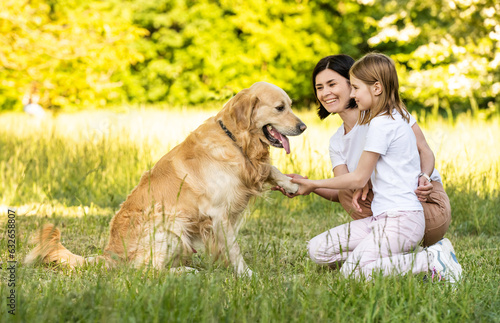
(194, 197)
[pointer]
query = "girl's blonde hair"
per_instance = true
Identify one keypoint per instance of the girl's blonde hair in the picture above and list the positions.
(375, 67)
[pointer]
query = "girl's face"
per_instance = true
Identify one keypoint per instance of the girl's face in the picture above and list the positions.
(363, 94)
(332, 90)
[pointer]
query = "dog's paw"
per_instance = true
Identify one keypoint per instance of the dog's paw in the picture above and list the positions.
(181, 270)
(248, 273)
(244, 271)
(289, 187)
(293, 188)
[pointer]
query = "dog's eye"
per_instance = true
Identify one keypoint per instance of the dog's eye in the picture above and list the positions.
(280, 108)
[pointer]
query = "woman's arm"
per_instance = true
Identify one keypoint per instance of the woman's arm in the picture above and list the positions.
(330, 194)
(427, 159)
(354, 180)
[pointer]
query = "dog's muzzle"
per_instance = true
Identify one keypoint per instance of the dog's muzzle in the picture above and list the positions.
(301, 127)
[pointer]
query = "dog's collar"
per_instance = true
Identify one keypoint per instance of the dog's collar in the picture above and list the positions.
(228, 133)
(233, 138)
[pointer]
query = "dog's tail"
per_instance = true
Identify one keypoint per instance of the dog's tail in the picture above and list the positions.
(48, 249)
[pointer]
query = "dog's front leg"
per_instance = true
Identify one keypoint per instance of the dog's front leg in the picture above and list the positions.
(228, 245)
(278, 178)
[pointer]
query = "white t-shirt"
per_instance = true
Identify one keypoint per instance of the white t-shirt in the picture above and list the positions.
(395, 177)
(346, 149)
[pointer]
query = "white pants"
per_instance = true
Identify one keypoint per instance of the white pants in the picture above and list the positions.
(385, 242)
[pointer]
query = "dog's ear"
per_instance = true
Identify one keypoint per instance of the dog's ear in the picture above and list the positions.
(242, 107)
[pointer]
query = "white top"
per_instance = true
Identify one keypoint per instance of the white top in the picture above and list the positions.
(395, 177)
(346, 149)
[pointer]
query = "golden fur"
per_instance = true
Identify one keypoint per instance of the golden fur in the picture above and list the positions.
(194, 196)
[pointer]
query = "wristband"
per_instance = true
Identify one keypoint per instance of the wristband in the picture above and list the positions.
(424, 175)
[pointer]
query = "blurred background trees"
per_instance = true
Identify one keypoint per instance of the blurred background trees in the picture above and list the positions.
(71, 53)
(87, 54)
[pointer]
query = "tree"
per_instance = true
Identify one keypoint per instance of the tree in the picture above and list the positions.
(199, 51)
(71, 52)
(447, 51)
(186, 52)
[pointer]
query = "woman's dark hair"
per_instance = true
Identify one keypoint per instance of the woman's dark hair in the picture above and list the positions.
(339, 63)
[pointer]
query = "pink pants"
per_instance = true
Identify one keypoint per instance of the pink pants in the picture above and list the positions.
(437, 211)
(386, 242)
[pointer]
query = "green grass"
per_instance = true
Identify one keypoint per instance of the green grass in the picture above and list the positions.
(75, 170)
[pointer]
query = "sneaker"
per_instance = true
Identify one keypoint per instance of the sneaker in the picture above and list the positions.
(444, 265)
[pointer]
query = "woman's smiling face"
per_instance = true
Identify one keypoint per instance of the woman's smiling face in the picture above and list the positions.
(332, 90)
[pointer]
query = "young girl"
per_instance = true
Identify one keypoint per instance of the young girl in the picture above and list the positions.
(391, 159)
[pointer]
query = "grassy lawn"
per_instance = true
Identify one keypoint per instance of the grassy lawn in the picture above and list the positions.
(75, 170)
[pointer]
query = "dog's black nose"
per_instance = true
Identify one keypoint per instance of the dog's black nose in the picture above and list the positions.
(302, 127)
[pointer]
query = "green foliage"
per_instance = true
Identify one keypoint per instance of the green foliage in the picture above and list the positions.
(205, 50)
(67, 52)
(185, 52)
(448, 51)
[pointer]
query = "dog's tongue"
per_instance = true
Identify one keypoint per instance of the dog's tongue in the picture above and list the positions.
(283, 139)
